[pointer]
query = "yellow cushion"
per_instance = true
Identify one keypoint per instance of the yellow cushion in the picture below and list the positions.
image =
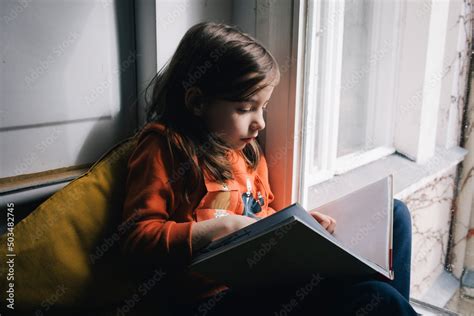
(67, 250)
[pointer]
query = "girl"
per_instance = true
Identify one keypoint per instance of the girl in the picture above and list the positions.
(198, 174)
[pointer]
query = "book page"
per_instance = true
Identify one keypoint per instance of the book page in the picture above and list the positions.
(364, 220)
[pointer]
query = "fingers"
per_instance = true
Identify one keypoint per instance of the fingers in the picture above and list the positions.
(332, 226)
(326, 221)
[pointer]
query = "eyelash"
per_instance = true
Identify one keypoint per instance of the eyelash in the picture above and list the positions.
(246, 111)
(242, 110)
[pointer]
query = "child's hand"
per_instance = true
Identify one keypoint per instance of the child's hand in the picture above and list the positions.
(236, 222)
(326, 221)
(206, 231)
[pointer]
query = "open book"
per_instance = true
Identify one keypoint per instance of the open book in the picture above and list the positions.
(290, 246)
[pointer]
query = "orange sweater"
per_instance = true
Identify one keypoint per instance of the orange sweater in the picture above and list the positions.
(162, 232)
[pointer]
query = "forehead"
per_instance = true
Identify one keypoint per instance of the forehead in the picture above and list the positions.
(262, 94)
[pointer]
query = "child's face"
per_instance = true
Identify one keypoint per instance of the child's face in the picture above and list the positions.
(237, 123)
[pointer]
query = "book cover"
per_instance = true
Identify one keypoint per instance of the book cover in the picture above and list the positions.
(290, 246)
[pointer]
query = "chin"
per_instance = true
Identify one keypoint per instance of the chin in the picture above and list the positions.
(239, 147)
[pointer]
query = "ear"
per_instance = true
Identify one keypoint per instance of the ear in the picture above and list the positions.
(193, 101)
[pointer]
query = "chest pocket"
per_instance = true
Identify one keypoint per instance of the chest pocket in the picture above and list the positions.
(220, 200)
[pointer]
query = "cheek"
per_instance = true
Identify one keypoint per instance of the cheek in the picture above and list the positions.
(239, 124)
(226, 124)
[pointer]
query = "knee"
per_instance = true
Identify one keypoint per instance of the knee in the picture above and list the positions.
(378, 289)
(401, 215)
(375, 297)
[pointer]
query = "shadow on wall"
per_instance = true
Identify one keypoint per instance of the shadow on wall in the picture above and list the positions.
(125, 122)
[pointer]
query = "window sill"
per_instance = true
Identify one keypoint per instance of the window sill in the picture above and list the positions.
(408, 176)
(41, 179)
(29, 191)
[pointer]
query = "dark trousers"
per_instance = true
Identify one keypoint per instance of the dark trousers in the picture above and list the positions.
(328, 296)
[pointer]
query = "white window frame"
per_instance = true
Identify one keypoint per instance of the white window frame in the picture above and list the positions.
(328, 164)
(328, 121)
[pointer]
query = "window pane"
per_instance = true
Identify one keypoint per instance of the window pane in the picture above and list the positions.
(355, 86)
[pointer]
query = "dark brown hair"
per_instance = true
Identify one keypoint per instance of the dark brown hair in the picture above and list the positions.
(222, 62)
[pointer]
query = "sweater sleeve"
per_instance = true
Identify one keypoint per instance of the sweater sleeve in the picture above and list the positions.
(148, 205)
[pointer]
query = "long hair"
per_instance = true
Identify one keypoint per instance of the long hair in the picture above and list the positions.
(222, 62)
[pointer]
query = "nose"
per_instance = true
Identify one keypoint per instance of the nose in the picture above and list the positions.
(258, 123)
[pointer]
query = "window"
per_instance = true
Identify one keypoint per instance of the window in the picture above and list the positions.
(349, 108)
(367, 88)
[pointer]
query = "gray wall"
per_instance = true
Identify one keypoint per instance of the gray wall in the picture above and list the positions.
(67, 82)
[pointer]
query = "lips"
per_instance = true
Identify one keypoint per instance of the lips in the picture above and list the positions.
(248, 140)
(253, 137)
